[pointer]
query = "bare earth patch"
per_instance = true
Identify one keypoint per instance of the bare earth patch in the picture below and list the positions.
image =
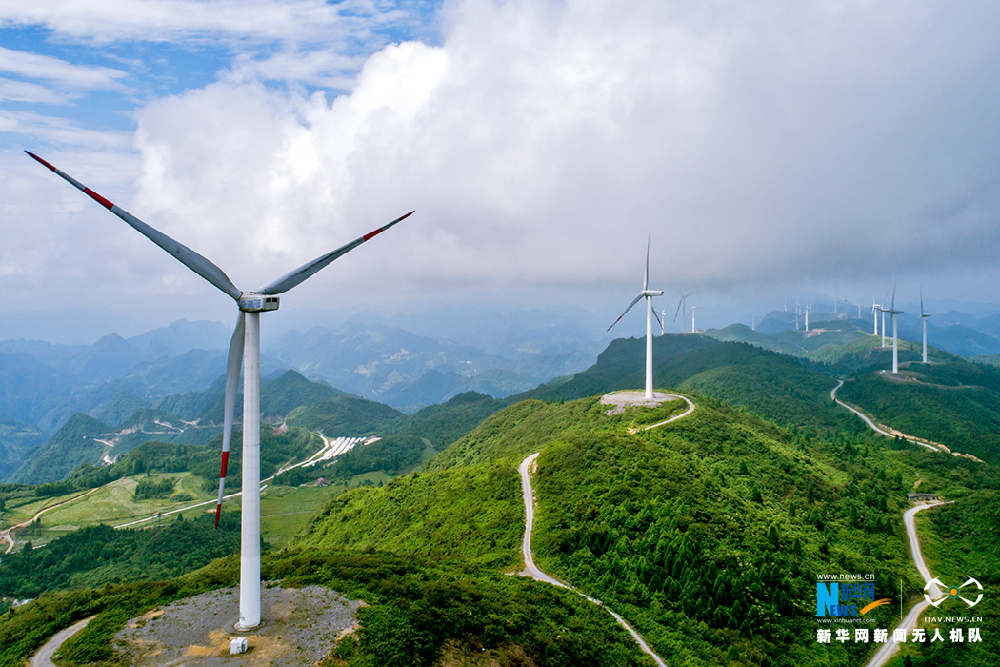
(624, 399)
(300, 627)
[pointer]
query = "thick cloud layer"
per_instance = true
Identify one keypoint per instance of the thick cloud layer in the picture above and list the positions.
(760, 145)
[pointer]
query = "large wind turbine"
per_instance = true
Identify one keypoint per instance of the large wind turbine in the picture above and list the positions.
(244, 348)
(923, 317)
(892, 317)
(650, 314)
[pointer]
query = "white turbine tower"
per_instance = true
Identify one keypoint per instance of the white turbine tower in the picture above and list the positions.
(693, 308)
(650, 314)
(923, 317)
(808, 308)
(881, 309)
(892, 317)
(243, 347)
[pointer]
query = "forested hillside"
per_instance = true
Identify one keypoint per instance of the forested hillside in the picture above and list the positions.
(706, 533)
(956, 403)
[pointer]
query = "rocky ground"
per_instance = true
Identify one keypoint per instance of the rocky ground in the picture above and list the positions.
(623, 399)
(300, 627)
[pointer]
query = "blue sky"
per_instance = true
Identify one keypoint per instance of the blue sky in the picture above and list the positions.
(769, 151)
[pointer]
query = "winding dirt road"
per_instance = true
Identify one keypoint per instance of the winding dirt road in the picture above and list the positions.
(43, 658)
(531, 570)
(890, 432)
(890, 648)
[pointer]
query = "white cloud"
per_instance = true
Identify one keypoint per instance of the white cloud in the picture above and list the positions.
(162, 20)
(20, 91)
(62, 132)
(37, 66)
(542, 141)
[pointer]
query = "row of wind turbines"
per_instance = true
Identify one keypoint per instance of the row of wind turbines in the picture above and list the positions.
(879, 308)
(648, 294)
(244, 351)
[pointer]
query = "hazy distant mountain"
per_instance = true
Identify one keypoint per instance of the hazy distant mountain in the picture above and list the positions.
(16, 440)
(409, 371)
(127, 421)
(507, 335)
(183, 336)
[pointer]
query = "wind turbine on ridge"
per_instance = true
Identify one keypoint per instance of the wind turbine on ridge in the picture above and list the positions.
(244, 348)
(693, 308)
(650, 314)
(682, 309)
(892, 318)
(923, 317)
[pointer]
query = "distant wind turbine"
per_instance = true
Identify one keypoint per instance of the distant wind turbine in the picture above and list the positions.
(892, 317)
(682, 309)
(881, 309)
(650, 314)
(693, 330)
(808, 308)
(244, 348)
(923, 317)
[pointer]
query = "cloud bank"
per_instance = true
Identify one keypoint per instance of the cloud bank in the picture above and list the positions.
(758, 146)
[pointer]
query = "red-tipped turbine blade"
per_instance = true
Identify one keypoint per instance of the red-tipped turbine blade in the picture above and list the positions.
(189, 258)
(290, 280)
(634, 301)
(232, 384)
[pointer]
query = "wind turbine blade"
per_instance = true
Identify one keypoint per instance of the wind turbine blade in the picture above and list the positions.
(645, 278)
(232, 382)
(892, 305)
(292, 279)
(189, 258)
(679, 304)
(634, 301)
(662, 330)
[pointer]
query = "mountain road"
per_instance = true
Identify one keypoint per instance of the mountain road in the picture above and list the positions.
(528, 466)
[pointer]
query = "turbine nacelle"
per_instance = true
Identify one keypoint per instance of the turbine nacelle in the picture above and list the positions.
(252, 302)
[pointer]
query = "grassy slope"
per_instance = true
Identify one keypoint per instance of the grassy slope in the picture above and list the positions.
(667, 510)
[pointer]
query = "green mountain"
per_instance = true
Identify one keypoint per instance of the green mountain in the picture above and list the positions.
(706, 534)
(955, 403)
(72, 445)
(16, 440)
(85, 440)
(776, 386)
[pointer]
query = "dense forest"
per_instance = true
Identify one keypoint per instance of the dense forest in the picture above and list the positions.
(92, 557)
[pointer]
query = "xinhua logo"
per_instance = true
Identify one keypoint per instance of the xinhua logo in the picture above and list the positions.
(952, 592)
(843, 598)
